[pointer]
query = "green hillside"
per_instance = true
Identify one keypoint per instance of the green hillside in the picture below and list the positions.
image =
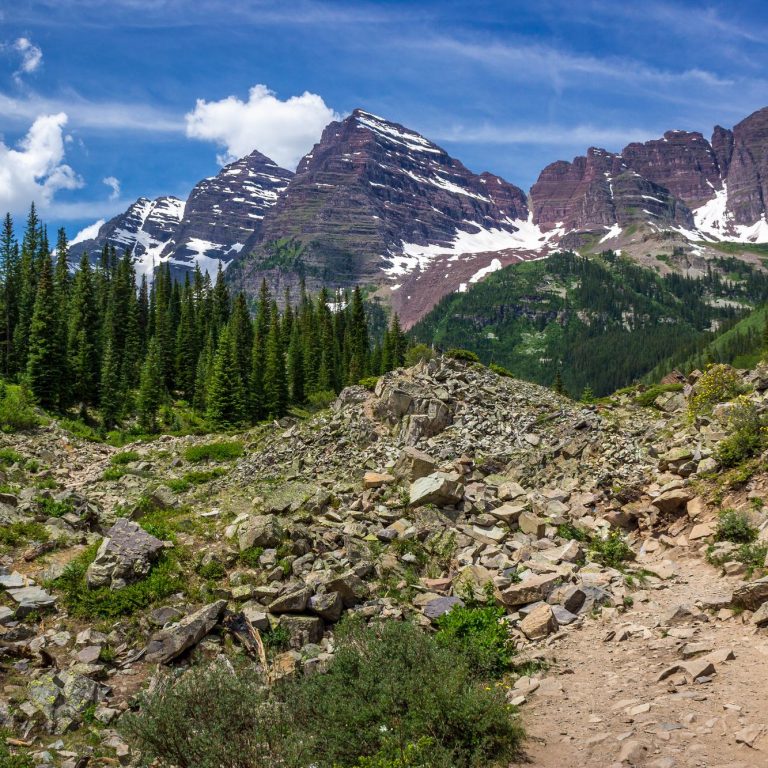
(604, 322)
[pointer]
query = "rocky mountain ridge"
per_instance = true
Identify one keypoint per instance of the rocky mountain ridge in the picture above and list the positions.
(376, 203)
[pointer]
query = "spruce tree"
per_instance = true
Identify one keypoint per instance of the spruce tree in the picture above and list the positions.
(226, 395)
(45, 355)
(110, 396)
(295, 364)
(9, 266)
(83, 351)
(151, 388)
(275, 384)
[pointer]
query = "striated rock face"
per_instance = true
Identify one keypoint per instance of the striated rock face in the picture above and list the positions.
(598, 191)
(682, 162)
(226, 211)
(722, 146)
(145, 228)
(369, 186)
(222, 214)
(748, 169)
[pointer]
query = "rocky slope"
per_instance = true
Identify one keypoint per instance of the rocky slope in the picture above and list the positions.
(395, 503)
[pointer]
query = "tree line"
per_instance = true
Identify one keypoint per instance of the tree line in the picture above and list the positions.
(93, 337)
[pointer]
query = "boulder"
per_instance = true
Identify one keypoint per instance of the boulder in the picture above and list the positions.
(172, 641)
(673, 502)
(539, 623)
(438, 607)
(350, 587)
(377, 479)
(531, 590)
(414, 464)
(302, 629)
(260, 531)
(291, 602)
(531, 524)
(439, 488)
(751, 595)
(327, 606)
(125, 555)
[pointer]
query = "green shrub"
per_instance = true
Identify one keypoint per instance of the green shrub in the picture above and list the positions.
(13, 759)
(463, 354)
(319, 401)
(612, 551)
(113, 473)
(224, 450)
(53, 508)
(747, 437)
(22, 532)
(213, 570)
(197, 477)
(250, 557)
(500, 370)
(276, 638)
(480, 635)
(418, 353)
(392, 696)
(388, 687)
(734, 526)
(124, 457)
(571, 532)
(17, 412)
(717, 384)
(82, 430)
(369, 382)
(648, 397)
(8, 456)
(83, 602)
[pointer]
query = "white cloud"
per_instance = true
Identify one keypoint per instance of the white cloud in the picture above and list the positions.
(31, 55)
(35, 171)
(114, 185)
(282, 130)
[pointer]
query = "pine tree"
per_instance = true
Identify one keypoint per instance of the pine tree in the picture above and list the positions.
(83, 351)
(296, 366)
(241, 334)
(226, 395)
(151, 388)
(45, 355)
(27, 290)
(558, 385)
(275, 384)
(110, 395)
(186, 346)
(257, 396)
(9, 267)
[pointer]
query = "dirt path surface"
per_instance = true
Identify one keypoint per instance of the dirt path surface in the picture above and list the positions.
(601, 703)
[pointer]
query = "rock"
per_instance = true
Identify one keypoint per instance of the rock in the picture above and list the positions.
(510, 491)
(695, 669)
(434, 609)
(168, 643)
(377, 479)
(291, 602)
(529, 591)
(563, 616)
(257, 617)
(302, 629)
(673, 501)
(260, 531)
(539, 623)
(439, 488)
(414, 464)
(760, 616)
(328, 606)
(531, 524)
(701, 531)
(751, 595)
(350, 587)
(750, 735)
(508, 513)
(124, 556)
(31, 600)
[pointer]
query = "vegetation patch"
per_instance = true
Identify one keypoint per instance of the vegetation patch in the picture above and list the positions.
(124, 457)
(224, 450)
(22, 532)
(612, 551)
(717, 384)
(198, 477)
(734, 525)
(648, 397)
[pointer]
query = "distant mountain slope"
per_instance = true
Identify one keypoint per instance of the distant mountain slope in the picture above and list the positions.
(603, 322)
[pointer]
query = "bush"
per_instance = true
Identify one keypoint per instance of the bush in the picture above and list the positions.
(15, 759)
(480, 635)
(717, 384)
(221, 451)
(369, 382)
(124, 457)
(418, 353)
(734, 526)
(390, 686)
(392, 696)
(198, 477)
(747, 436)
(236, 722)
(53, 508)
(463, 354)
(500, 370)
(17, 412)
(648, 398)
(83, 602)
(8, 456)
(22, 532)
(318, 401)
(612, 551)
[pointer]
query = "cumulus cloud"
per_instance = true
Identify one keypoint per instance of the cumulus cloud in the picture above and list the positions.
(114, 185)
(31, 55)
(282, 130)
(35, 170)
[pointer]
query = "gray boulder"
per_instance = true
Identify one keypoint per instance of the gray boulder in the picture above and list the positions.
(439, 488)
(168, 643)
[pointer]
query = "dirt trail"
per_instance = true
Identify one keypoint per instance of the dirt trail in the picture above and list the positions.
(600, 704)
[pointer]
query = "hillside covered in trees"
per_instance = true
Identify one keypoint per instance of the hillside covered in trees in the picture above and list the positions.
(92, 339)
(600, 322)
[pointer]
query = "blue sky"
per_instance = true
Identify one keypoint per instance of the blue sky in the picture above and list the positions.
(102, 101)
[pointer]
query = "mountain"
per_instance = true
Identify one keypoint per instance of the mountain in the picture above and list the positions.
(222, 214)
(376, 204)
